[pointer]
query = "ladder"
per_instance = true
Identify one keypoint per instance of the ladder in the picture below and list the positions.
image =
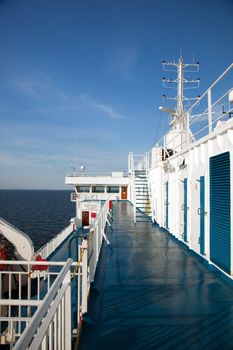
(142, 196)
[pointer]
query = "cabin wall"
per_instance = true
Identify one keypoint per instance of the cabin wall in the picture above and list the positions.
(157, 192)
(194, 165)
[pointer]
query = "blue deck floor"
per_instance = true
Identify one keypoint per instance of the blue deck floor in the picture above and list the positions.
(154, 294)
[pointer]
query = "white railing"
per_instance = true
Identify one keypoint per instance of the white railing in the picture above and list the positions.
(34, 295)
(212, 106)
(131, 168)
(23, 285)
(137, 162)
(206, 114)
(50, 326)
(96, 174)
(52, 245)
(95, 238)
(84, 196)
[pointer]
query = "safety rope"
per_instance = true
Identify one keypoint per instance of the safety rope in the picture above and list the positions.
(78, 263)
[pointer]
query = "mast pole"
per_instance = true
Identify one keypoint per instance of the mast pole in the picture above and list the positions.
(180, 83)
(179, 120)
(180, 108)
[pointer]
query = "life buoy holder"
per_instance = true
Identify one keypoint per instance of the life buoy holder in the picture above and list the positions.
(40, 267)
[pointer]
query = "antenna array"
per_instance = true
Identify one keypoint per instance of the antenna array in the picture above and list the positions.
(180, 84)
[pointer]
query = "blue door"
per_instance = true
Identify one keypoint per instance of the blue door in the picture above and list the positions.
(201, 212)
(220, 211)
(166, 204)
(185, 207)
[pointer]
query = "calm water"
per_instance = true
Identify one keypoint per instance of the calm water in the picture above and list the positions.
(41, 214)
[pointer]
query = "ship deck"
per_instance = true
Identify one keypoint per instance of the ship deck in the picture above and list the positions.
(153, 293)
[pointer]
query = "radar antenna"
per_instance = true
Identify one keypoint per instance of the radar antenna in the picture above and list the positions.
(180, 83)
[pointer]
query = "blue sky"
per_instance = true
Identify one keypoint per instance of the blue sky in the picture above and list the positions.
(80, 81)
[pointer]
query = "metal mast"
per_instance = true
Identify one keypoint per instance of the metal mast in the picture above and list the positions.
(180, 87)
(178, 115)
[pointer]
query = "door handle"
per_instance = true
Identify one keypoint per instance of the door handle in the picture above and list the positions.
(201, 211)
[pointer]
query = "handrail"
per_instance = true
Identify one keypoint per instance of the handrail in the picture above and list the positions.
(53, 302)
(48, 248)
(206, 110)
(85, 174)
(78, 264)
(210, 87)
(201, 119)
(32, 262)
(101, 211)
(44, 327)
(133, 195)
(28, 334)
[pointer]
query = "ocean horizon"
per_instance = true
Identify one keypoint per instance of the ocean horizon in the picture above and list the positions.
(41, 214)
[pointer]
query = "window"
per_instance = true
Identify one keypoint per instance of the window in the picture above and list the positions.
(113, 189)
(97, 189)
(83, 189)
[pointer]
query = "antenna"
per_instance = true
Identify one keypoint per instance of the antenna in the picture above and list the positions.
(180, 83)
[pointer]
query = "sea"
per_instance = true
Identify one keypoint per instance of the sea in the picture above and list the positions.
(41, 214)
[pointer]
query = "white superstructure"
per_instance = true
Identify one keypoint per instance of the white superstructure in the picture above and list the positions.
(92, 188)
(189, 173)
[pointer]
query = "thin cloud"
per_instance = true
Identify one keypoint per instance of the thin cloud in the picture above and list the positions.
(108, 111)
(56, 100)
(34, 86)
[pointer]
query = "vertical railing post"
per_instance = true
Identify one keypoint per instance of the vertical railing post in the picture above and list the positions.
(67, 309)
(129, 162)
(100, 235)
(134, 199)
(96, 241)
(187, 129)
(164, 147)
(92, 259)
(134, 189)
(84, 277)
(146, 161)
(210, 111)
(78, 298)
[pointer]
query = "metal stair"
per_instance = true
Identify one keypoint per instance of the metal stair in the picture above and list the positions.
(142, 196)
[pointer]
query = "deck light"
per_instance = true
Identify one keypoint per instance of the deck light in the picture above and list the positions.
(82, 168)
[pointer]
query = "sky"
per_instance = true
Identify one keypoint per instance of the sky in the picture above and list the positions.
(80, 80)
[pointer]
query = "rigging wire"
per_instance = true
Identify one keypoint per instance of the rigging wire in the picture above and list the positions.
(138, 116)
(157, 129)
(152, 97)
(133, 122)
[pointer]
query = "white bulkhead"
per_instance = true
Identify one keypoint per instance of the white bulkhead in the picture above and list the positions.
(190, 172)
(191, 164)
